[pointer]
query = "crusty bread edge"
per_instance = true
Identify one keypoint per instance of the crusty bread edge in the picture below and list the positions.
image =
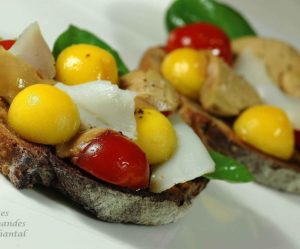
(217, 135)
(113, 205)
(27, 165)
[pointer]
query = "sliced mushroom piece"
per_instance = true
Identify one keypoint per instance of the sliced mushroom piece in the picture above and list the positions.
(73, 147)
(152, 59)
(224, 92)
(152, 88)
(15, 75)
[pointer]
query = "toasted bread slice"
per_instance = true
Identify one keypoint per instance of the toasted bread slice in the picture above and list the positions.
(27, 165)
(216, 134)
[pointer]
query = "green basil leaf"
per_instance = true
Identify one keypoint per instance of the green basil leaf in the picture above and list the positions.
(74, 35)
(182, 12)
(229, 169)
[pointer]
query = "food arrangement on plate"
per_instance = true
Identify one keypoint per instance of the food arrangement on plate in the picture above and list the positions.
(113, 141)
(240, 91)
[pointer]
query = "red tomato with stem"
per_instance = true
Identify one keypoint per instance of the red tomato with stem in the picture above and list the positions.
(7, 44)
(114, 158)
(201, 36)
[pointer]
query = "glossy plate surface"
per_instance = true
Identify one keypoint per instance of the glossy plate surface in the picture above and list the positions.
(224, 216)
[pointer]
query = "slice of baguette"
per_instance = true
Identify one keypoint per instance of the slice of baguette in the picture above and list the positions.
(219, 136)
(216, 134)
(27, 165)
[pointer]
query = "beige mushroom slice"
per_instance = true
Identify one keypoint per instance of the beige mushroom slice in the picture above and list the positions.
(224, 92)
(73, 147)
(15, 75)
(152, 88)
(281, 59)
(152, 59)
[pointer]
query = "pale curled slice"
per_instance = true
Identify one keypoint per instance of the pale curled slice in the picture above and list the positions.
(190, 160)
(32, 48)
(281, 59)
(224, 92)
(253, 69)
(103, 105)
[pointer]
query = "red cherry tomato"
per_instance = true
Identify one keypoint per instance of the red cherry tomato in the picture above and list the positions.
(115, 159)
(297, 138)
(7, 44)
(201, 36)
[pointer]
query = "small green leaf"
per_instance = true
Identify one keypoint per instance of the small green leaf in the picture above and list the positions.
(74, 35)
(229, 169)
(182, 12)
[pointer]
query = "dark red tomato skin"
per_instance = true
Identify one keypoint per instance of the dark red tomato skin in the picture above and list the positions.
(167, 113)
(7, 44)
(201, 36)
(113, 158)
(297, 138)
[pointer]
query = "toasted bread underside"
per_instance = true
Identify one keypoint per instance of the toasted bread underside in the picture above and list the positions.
(26, 165)
(217, 135)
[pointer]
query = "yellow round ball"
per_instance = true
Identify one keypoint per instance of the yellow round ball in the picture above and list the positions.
(155, 135)
(268, 129)
(82, 63)
(44, 114)
(185, 69)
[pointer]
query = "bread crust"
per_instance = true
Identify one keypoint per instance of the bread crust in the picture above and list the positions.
(217, 135)
(27, 165)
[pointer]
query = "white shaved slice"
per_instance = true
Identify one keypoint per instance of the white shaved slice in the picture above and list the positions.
(32, 48)
(254, 71)
(189, 161)
(104, 105)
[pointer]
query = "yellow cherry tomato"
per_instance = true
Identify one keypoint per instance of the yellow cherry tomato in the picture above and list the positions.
(268, 129)
(81, 63)
(44, 114)
(185, 68)
(155, 135)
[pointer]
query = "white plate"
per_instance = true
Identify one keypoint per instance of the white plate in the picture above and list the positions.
(223, 216)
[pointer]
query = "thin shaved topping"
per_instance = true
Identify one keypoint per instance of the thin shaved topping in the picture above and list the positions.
(32, 48)
(190, 160)
(104, 105)
(254, 71)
